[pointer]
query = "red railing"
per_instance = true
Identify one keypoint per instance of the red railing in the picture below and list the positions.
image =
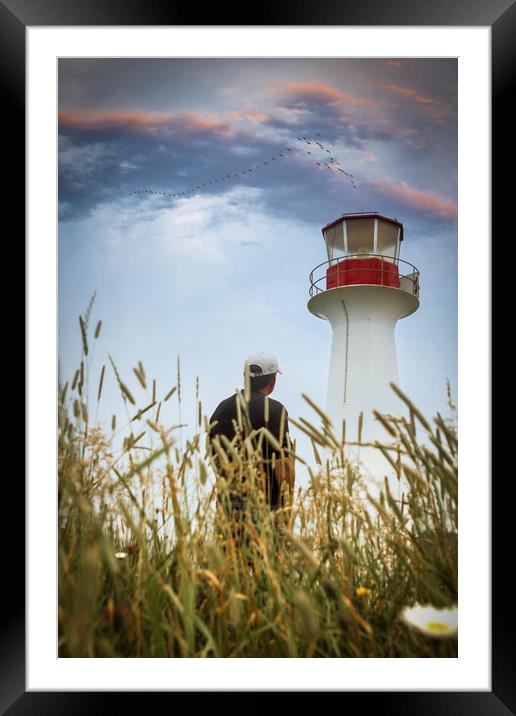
(365, 269)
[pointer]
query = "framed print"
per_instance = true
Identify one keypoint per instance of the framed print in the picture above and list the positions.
(135, 233)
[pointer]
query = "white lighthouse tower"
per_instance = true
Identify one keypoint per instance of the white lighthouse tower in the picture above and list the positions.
(363, 289)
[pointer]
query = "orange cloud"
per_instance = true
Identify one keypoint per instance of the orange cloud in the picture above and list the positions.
(433, 106)
(142, 122)
(257, 117)
(415, 199)
(322, 92)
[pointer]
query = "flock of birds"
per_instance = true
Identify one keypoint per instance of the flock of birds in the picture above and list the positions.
(331, 163)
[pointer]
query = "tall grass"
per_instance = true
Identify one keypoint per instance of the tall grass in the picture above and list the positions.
(150, 565)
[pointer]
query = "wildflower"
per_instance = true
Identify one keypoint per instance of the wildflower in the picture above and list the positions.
(120, 555)
(431, 621)
(363, 592)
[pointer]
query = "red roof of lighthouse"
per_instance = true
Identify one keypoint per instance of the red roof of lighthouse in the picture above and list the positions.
(365, 215)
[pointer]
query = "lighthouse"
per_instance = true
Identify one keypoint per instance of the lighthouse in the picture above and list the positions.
(362, 290)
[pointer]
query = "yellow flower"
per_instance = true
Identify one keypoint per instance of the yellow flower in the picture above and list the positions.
(363, 592)
(430, 621)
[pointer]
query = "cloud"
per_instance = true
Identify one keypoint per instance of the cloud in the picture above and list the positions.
(320, 92)
(353, 121)
(83, 159)
(200, 249)
(127, 166)
(105, 155)
(251, 243)
(257, 116)
(206, 229)
(98, 166)
(159, 125)
(432, 107)
(407, 197)
(395, 63)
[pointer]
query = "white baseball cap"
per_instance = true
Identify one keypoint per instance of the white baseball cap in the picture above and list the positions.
(263, 364)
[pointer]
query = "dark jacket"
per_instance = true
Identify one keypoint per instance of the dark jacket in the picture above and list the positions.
(226, 417)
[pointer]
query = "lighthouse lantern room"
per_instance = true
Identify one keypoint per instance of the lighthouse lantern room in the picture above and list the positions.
(363, 248)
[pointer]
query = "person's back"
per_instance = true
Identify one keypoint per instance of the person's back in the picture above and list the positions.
(262, 412)
(241, 414)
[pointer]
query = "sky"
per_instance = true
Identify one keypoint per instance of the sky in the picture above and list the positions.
(252, 150)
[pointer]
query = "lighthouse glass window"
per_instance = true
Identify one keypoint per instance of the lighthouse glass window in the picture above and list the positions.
(387, 239)
(360, 233)
(335, 246)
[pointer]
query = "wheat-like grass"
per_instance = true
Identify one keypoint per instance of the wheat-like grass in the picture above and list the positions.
(154, 561)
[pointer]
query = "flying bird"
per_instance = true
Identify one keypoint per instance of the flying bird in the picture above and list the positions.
(244, 172)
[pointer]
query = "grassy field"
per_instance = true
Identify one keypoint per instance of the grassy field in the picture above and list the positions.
(149, 566)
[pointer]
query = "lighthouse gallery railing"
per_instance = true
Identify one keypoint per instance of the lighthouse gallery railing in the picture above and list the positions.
(408, 282)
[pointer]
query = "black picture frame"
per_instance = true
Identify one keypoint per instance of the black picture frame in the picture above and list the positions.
(500, 16)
